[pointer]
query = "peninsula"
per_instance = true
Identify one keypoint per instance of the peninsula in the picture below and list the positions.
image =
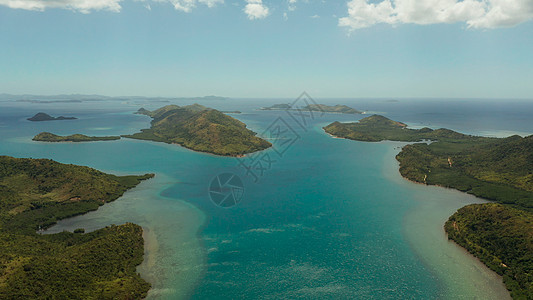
(340, 109)
(498, 169)
(50, 137)
(46, 117)
(35, 194)
(199, 128)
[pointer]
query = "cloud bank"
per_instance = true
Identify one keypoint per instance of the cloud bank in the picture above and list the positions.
(83, 6)
(255, 9)
(475, 13)
(86, 6)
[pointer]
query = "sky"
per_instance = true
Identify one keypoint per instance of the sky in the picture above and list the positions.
(264, 49)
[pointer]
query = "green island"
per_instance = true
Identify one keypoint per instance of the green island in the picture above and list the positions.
(46, 117)
(35, 194)
(200, 129)
(231, 112)
(497, 169)
(50, 137)
(340, 109)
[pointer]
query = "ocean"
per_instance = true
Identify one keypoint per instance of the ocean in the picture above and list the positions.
(316, 216)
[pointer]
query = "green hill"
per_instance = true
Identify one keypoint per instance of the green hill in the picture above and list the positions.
(36, 193)
(502, 238)
(377, 128)
(50, 137)
(201, 129)
(46, 117)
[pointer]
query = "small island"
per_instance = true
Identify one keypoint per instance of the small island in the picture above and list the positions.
(202, 129)
(35, 194)
(497, 169)
(231, 112)
(50, 137)
(277, 107)
(340, 109)
(46, 117)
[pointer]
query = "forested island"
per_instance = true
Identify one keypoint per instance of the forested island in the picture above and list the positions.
(35, 194)
(498, 169)
(341, 109)
(201, 129)
(50, 137)
(46, 117)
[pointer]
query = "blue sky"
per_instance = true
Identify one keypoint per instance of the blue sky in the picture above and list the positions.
(254, 48)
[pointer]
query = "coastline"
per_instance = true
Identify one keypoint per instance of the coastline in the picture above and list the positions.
(174, 260)
(460, 271)
(197, 151)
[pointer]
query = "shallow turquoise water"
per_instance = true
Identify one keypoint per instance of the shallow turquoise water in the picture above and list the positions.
(330, 218)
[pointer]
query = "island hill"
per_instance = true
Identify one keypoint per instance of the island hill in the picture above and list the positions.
(340, 109)
(50, 137)
(499, 169)
(35, 194)
(201, 129)
(46, 117)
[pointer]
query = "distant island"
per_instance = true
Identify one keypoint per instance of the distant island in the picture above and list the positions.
(46, 117)
(498, 169)
(341, 109)
(35, 194)
(50, 137)
(201, 129)
(231, 112)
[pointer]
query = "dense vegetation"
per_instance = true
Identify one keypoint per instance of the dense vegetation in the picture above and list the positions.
(501, 237)
(50, 137)
(378, 128)
(201, 129)
(35, 194)
(46, 117)
(342, 109)
(499, 169)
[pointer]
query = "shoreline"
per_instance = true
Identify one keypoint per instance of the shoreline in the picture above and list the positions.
(443, 257)
(174, 259)
(480, 275)
(198, 151)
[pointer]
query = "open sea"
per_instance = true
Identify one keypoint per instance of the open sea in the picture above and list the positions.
(317, 217)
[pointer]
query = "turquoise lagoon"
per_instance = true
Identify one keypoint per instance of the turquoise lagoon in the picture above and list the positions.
(330, 218)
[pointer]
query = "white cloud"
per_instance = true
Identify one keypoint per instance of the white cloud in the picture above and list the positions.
(292, 5)
(83, 6)
(255, 9)
(211, 3)
(188, 5)
(86, 6)
(475, 13)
